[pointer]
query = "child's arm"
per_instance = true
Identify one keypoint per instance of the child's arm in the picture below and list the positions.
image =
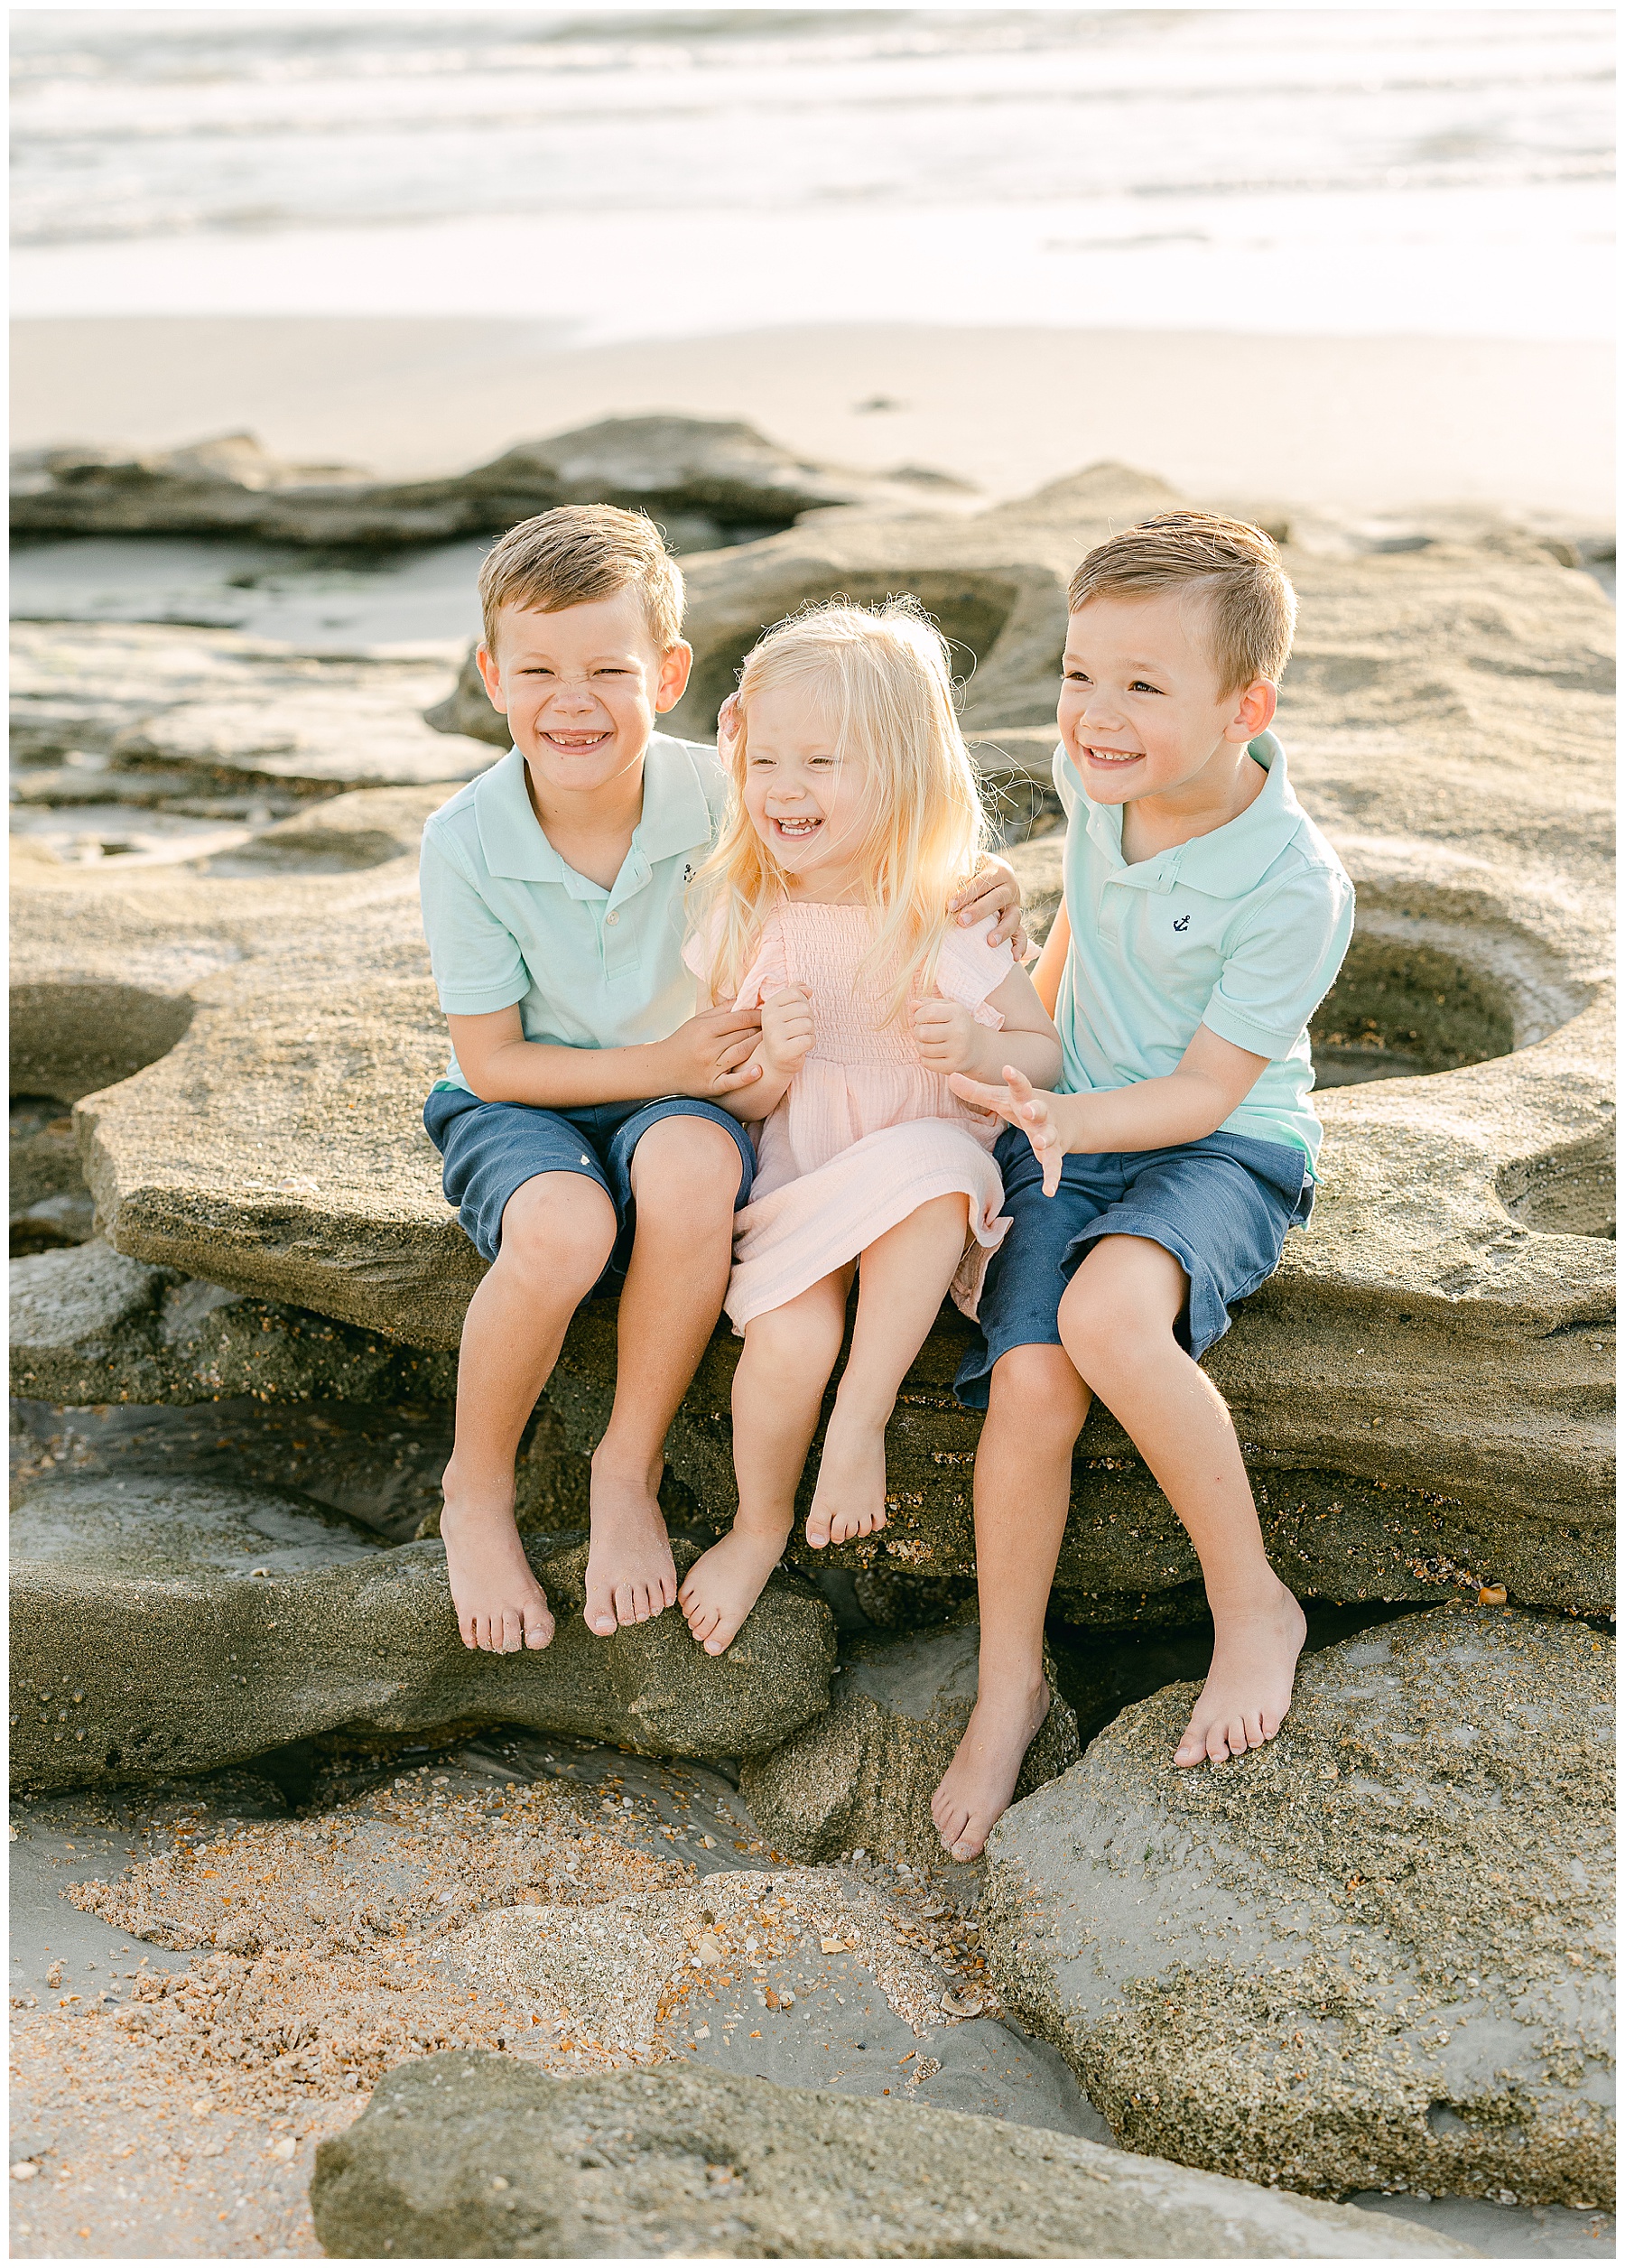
(1052, 960)
(950, 1039)
(778, 1054)
(711, 1056)
(1213, 1078)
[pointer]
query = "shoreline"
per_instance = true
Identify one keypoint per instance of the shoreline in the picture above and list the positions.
(1361, 424)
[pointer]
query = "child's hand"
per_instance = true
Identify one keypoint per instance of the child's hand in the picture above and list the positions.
(787, 1030)
(711, 1054)
(944, 1032)
(1020, 1102)
(993, 890)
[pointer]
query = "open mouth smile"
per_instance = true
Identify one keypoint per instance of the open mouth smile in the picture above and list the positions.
(574, 743)
(794, 829)
(1114, 755)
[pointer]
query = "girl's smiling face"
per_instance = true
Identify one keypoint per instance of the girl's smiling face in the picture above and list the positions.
(807, 802)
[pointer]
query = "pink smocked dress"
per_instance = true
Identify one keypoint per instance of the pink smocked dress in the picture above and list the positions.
(866, 1134)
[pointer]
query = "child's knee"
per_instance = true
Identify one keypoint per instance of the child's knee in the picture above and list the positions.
(563, 1236)
(804, 1335)
(1038, 1388)
(1123, 1301)
(684, 1168)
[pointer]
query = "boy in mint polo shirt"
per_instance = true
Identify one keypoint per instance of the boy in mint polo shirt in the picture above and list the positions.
(1204, 918)
(579, 1120)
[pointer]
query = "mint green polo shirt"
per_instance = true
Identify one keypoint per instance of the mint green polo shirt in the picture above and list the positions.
(509, 924)
(1243, 930)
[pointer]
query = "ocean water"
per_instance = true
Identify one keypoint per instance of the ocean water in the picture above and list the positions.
(632, 173)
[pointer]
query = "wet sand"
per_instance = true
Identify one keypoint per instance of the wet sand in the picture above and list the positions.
(1364, 422)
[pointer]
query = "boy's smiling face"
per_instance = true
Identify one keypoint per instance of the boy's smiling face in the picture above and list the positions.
(1141, 711)
(581, 687)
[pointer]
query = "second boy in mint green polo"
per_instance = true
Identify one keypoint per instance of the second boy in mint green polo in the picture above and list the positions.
(1242, 930)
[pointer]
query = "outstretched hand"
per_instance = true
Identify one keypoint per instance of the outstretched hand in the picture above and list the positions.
(1021, 1105)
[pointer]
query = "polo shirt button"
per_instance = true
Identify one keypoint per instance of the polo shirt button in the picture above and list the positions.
(610, 920)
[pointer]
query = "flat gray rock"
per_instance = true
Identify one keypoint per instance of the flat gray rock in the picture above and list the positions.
(1376, 1953)
(174, 1626)
(158, 697)
(88, 1327)
(476, 2156)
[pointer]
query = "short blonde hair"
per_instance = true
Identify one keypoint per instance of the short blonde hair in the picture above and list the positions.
(1252, 609)
(577, 552)
(883, 678)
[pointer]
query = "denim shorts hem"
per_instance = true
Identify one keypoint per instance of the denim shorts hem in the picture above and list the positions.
(491, 1150)
(1220, 1206)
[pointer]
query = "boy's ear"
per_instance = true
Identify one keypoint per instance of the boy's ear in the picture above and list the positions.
(1255, 711)
(491, 676)
(671, 683)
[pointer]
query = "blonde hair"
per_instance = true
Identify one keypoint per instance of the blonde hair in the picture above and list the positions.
(577, 552)
(882, 675)
(1252, 609)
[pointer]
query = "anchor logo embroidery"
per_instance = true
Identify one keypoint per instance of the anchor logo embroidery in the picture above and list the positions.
(1184, 922)
(688, 872)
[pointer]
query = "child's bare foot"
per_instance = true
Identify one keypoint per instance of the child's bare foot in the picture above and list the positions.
(1249, 1687)
(976, 1789)
(500, 1605)
(631, 1575)
(851, 1496)
(726, 1582)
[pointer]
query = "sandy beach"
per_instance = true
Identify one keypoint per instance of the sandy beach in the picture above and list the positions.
(1367, 424)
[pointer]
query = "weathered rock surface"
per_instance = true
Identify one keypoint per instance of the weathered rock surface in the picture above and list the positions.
(88, 1325)
(716, 476)
(1424, 1388)
(647, 2164)
(164, 1626)
(861, 1776)
(1376, 1953)
(189, 708)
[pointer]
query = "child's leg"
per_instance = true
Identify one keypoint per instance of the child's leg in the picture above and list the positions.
(778, 1392)
(1117, 1323)
(1036, 1405)
(903, 1278)
(685, 1177)
(558, 1231)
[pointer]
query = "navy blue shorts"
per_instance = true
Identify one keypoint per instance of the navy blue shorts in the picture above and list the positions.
(1223, 1206)
(492, 1149)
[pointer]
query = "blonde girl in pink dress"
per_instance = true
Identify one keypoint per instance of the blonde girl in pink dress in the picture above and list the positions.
(854, 817)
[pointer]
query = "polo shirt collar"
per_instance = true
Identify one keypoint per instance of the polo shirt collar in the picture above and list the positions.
(510, 834)
(676, 817)
(1231, 860)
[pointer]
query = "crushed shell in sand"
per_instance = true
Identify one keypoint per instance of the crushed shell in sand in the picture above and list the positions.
(339, 1946)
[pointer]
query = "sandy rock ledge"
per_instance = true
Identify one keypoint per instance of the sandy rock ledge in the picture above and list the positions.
(474, 2155)
(1376, 1953)
(174, 1626)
